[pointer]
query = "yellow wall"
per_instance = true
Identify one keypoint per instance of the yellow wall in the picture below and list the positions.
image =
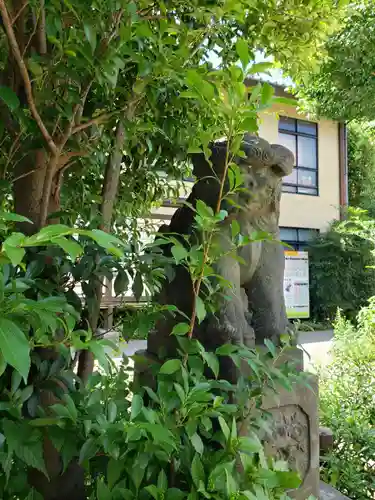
(313, 212)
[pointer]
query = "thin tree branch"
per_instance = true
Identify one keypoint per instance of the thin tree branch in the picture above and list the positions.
(111, 178)
(31, 36)
(24, 175)
(94, 121)
(25, 77)
(24, 5)
(78, 115)
(47, 188)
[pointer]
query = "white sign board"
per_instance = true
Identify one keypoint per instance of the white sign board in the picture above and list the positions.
(296, 284)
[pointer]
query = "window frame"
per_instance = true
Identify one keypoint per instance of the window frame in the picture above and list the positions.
(295, 244)
(295, 133)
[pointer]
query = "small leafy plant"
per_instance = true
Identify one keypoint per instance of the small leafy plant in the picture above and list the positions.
(347, 406)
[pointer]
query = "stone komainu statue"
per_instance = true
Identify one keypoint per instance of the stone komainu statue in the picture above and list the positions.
(254, 308)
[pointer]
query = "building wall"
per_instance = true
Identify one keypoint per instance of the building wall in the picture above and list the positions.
(304, 211)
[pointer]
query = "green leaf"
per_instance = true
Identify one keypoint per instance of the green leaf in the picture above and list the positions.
(249, 444)
(235, 228)
(224, 427)
(3, 364)
(88, 450)
(212, 362)
(162, 483)
(232, 486)
(14, 347)
(71, 407)
(137, 405)
(15, 383)
(200, 309)
(260, 67)
(242, 49)
(90, 33)
(121, 282)
(197, 443)
(111, 412)
(197, 471)
(204, 210)
(9, 97)
(61, 410)
(107, 241)
(46, 234)
(267, 93)
(170, 366)
(226, 349)
(44, 422)
(179, 253)
(98, 351)
(14, 217)
(12, 247)
(271, 347)
(181, 329)
(102, 490)
(114, 469)
(284, 100)
(71, 247)
(137, 287)
(153, 491)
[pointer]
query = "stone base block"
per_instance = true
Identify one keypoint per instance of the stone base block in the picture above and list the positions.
(295, 437)
(327, 492)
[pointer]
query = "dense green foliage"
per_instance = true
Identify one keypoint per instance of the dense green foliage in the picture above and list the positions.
(361, 166)
(340, 276)
(105, 100)
(347, 406)
(343, 87)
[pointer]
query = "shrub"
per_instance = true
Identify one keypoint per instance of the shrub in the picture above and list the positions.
(347, 406)
(361, 166)
(340, 276)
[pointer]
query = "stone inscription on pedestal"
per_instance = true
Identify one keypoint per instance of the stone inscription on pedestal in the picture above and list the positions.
(295, 436)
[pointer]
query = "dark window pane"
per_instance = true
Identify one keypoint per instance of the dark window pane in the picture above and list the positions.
(306, 178)
(312, 191)
(306, 152)
(307, 234)
(288, 234)
(287, 124)
(291, 178)
(306, 127)
(289, 189)
(289, 141)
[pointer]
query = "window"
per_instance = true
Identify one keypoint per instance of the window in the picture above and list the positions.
(297, 238)
(301, 137)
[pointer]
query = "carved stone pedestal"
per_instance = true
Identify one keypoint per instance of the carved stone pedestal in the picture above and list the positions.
(295, 436)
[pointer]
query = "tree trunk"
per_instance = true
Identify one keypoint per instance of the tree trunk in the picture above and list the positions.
(29, 193)
(109, 193)
(30, 176)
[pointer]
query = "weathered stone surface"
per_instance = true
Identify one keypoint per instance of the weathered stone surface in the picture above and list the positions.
(327, 492)
(325, 440)
(295, 436)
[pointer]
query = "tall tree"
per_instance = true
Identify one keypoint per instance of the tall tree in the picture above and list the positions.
(344, 85)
